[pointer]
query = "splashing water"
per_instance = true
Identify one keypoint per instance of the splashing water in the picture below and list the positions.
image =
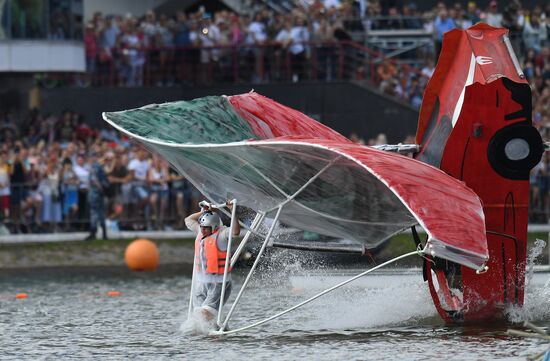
(374, 301)
(196, 324)
(537, 293)
(534, 253)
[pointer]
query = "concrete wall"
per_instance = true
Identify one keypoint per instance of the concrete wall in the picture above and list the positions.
(344, 107)
(41, 55)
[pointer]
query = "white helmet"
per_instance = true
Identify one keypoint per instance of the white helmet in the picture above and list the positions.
(209, 219)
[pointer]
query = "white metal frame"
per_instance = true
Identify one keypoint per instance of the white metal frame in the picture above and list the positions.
(230, 261)
(222, 331)
(246, 143)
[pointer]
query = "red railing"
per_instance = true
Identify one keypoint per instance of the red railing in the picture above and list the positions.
(272, 62)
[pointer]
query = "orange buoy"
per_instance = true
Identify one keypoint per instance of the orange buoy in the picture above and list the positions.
(142, 255)
(21, 295)
(113, 293)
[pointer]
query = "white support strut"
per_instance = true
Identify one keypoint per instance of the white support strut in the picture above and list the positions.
(253, 228)
(258, 257)
(227, 256)
(190, 311)
(222, 332)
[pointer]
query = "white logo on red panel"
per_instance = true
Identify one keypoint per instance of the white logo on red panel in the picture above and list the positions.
(484, 60)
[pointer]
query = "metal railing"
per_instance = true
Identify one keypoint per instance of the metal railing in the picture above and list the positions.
(35, 209)
(32, 208)
(267, 63)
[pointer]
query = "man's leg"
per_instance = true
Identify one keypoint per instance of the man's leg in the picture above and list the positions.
(212, 302)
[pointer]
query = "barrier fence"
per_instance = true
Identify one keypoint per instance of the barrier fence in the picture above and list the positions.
(207, 65)
(32, 208)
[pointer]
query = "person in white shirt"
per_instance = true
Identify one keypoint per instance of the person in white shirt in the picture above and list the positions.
(494, 18)
(257, 36)
(158, 178)
(139, 168)
(83, 174)
(256, 30)
(300, 36)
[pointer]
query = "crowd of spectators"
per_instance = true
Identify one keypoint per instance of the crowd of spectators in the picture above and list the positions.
(201, 47)
(47, 179)
(305, 43)
(41, 170)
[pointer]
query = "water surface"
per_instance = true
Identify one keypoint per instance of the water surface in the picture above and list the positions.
(385, 316)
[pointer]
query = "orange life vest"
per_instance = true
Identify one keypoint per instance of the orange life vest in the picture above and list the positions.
(215, 259)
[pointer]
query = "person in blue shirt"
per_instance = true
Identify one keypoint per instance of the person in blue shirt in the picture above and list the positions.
(442, 24)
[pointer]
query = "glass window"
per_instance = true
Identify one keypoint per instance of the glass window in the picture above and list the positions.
(77, 21)
(40, 19)
(60, 20)
(28, 19)
(4, 19)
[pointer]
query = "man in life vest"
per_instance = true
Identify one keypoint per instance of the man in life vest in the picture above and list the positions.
(210, 255)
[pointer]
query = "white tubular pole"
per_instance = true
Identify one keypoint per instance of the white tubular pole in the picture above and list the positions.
(192, 284)
(221, 332)
(253, 227)
(227, 257)
(252, 269)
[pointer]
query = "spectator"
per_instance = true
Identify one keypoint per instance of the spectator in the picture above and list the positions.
(158, 178)
(96, 197)
(120, 178)
(414, 92)
(442, 24)
(139, 169)
(534, 34)
(5, 191)
(48, 188)
(299, 35)
(326, 56)
(257, 36)
(132, 50)
(494, 18)
(83, 173)
(69, 188)
(182, 42)
(182, 192)
(17, 191)
(91, 50)
(410, 20)
(165, 41)
(472, 14)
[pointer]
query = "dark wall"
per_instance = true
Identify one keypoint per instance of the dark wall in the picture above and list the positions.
(344, 107)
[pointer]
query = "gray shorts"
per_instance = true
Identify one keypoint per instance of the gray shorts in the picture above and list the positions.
(208, 295)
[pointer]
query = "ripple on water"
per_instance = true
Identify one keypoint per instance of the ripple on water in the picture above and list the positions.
(385, 317)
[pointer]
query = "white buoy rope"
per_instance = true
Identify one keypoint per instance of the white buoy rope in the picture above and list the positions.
(419, 252)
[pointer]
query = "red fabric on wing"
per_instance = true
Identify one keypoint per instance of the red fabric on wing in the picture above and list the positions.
(449, 211)
(269, 119)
